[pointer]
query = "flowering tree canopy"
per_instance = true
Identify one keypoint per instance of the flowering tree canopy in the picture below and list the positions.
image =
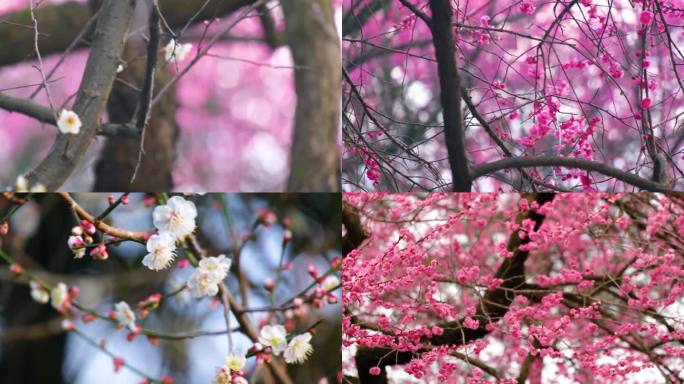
(518, 95)
(538, 288)
(233, 288)
(137, 91)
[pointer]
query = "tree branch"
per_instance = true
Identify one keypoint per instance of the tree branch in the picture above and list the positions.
(492, 307)
(44, 115)
(68, 150)
(105, 228)
(454, 133)
(552, 161)
(355, 235)
(60, 24)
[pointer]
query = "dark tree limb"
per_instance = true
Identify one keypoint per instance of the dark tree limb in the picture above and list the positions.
(310, 32)
(554, 161)
(492, 307)
(145, 100)
(44, 115)
(450, 93)
(355, 235)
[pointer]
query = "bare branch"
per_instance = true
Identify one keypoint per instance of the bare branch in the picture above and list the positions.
(44, 115)
(553, 161)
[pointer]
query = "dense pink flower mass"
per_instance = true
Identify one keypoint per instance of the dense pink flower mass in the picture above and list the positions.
(484, 288)
(597, 80)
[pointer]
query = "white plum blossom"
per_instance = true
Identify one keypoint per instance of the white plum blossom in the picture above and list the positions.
(176, 52)
(330, 283)
(299, 349)
(235, 361)
(209, 274)
(68, 325)
(177, 217)
(223, 376)
(124, 315)
(22, 185)
(203, 283)
(69, 122)
(220, 265)
(274, 336)
(161, 248)
(240, 380)
(38, 188)
(38, 293)
(77, 246)
(59, 295)
(120, 68)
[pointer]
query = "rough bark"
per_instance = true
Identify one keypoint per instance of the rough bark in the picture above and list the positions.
(492, 307)
(310, 33)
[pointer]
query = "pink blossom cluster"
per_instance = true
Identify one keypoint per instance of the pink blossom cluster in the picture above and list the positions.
(569, 78)
(603, 273)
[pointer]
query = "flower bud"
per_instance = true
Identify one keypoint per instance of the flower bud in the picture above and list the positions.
(88, 227)
(100, 252)
(269, 284)
(76, 230)
(16, 269)
(287, 236)
(266, 217)
(297, 302)
(312, 271)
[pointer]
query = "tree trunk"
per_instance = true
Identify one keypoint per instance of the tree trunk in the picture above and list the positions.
(119, 156)
(310, 33)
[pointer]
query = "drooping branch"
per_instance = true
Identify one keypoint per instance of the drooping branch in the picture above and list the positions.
(491, 308)
(553, 161)
(313, 40)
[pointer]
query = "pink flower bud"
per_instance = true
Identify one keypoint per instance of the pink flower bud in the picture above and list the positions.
(88, 227)
(312, 271)
(76, 230)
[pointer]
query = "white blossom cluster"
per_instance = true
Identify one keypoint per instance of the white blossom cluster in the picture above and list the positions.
(295, 352)
(173, 220)
(208, 275)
